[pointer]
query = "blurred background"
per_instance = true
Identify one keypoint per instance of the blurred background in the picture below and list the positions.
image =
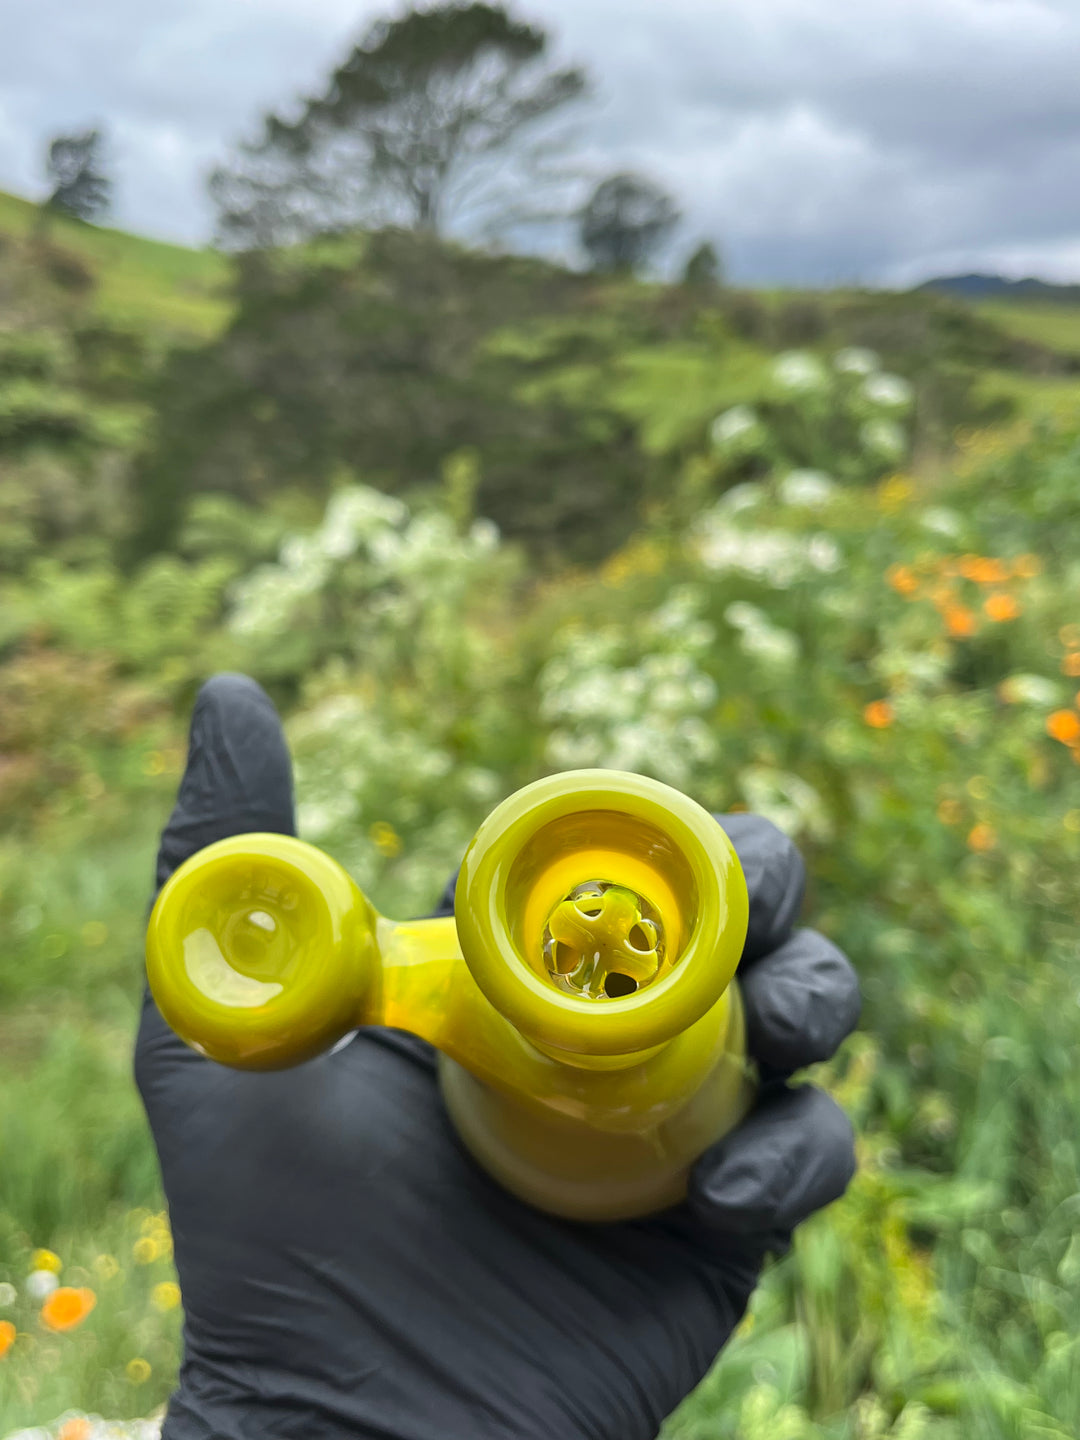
(690, 389)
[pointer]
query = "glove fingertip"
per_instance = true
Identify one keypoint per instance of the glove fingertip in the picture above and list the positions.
(793, 1155)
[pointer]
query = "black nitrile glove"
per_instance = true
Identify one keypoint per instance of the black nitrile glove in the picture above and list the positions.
(347, 1269)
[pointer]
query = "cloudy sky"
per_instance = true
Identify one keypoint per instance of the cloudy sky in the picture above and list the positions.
(816, 141)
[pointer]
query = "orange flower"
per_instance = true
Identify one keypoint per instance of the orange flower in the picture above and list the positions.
(959, 620)
(879, 714)
(67, 1307)
(77, 1428)
(982, 837)
(1071, 664)
(902, 578)
(1064, 725)
(983, 571)
(1000, 606)
(1026, 567)
(7, 1337)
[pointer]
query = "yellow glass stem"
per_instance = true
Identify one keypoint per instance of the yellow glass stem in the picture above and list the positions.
(582, 995)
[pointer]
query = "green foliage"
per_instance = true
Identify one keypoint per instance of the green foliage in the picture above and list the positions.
(794, 614)
(382, 365)
(583, 399)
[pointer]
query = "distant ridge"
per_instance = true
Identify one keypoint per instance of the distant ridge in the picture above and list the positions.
(996, 287)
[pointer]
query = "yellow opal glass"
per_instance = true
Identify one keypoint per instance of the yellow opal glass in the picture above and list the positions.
(582, 996)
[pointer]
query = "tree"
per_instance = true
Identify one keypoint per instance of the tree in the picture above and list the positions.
(703, 270)
(74, 167)
(442, 112)
(625, 221)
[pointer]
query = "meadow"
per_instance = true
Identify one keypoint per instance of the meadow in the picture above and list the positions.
(810, 589)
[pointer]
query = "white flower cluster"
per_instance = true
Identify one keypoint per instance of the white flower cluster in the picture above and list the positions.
(807, 489)
(1025, 689)
(646, 716)
(799, 370)
(356, 768)
(790, 802)
(96, 1428)
(745, 496)
(735, 428)
(942, 521)
(855, 360)
(360, 523)
(759, 637)
(891, 391)
(772, 556)
(885, 438)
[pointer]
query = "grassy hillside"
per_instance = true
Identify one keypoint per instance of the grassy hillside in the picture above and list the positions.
(136, 281)
(1053, 325)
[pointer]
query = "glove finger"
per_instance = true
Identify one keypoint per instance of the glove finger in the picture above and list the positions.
(801, 1001)
(238, 776)
(792, 1155)
(446, 900)
(775, 881)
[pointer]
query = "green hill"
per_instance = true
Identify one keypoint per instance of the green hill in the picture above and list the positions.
(135, 281)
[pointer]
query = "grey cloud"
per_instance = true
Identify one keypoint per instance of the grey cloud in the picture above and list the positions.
(816, 142)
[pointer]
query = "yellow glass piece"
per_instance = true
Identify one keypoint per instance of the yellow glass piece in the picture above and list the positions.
(582, 994)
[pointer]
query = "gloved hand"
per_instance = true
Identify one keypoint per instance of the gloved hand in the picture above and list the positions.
(348, 1271)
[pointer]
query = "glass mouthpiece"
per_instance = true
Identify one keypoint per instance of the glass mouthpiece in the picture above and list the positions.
(603, 941)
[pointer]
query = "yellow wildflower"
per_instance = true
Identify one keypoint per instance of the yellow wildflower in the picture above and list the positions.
(166, 1296)
(1000, 606)
(879, 714)
(46, 1260)
(983, 571)
(67, 1307)
(385, 839)
(1064, 725)
(137, 1370)
(959, 620)
(77, 1428)
(902, 579)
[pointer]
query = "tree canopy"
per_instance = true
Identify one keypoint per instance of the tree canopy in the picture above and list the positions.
(625, 221)
(75, 170)
(703, 269)
(439, 113)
